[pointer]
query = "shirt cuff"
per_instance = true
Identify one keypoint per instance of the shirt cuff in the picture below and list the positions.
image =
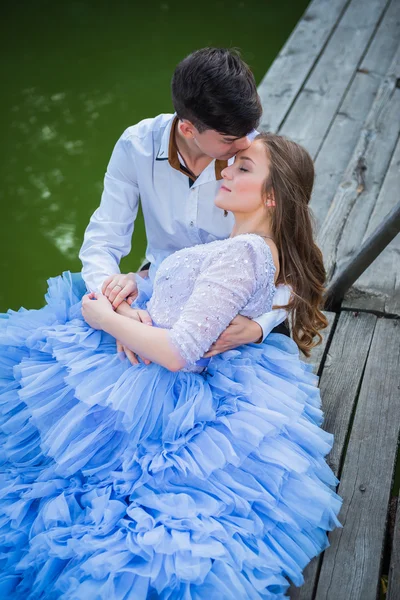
(270, 320)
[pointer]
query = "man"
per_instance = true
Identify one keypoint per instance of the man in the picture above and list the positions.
(174, 163)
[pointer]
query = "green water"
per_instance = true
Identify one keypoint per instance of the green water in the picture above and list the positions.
(74, 74)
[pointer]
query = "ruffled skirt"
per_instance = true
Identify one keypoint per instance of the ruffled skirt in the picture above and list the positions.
(123, 482)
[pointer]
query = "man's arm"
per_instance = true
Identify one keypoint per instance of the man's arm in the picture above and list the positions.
(108, 236)
(249, 331)
(276, 316)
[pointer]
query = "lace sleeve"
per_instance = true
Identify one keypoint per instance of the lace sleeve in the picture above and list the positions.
(230, 277)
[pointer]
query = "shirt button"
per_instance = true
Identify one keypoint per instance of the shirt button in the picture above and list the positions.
(191, 223)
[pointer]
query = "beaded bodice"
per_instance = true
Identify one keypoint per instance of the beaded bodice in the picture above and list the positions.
(199, 290)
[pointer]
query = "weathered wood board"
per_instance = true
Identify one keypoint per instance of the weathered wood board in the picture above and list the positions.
(347, 220)
(340, 381)
(295, 61)
(351, 566)
(378, 288)
(339, 144)
(342, 376)
(318, 102)
(317, 353)
(393, 592)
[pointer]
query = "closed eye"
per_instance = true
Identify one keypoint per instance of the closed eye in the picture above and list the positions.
(243, 169)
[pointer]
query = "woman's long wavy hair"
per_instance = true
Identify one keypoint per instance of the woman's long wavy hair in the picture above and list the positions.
(291, 180)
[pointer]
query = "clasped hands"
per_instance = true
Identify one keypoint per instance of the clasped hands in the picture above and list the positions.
(121, 290)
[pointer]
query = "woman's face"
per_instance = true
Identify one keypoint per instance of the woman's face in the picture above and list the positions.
(243, 185)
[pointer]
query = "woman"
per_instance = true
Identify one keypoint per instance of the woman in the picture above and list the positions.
(177, 480)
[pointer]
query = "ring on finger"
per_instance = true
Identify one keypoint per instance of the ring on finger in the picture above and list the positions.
(117, 285)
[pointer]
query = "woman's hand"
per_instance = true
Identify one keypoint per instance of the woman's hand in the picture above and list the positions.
(95, 309)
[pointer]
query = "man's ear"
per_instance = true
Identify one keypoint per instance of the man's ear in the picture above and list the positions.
(187, 129)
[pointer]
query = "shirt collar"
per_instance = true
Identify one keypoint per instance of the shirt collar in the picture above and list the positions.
(220, 165)
(173, 158)
(162, 153)
(169, 151)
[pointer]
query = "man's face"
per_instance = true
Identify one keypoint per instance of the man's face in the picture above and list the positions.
(219, 146)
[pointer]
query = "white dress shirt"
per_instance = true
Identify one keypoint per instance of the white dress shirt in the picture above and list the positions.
(178, 209)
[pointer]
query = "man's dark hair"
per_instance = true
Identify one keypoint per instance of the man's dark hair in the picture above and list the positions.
(214, 89)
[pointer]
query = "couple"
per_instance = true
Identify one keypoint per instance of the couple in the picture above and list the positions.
(195, 473)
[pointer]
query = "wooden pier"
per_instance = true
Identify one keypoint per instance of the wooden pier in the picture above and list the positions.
(335, 88)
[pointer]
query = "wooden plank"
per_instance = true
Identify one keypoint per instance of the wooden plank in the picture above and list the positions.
(393, 592)
(342, 374)
(347, 220)
(351, 566)
(378, 288)
(317, 352)
(284, 79)
(305, 592)
(339, 383)
(339, 144)
(315, 107)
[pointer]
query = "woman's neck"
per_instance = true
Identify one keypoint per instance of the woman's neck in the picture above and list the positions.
(259, 224)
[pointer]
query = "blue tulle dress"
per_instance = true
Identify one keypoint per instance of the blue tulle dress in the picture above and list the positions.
(123, 482)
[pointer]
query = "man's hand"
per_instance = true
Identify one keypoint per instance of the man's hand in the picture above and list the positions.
(138, 315)
(119, 287)
(240, 331)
